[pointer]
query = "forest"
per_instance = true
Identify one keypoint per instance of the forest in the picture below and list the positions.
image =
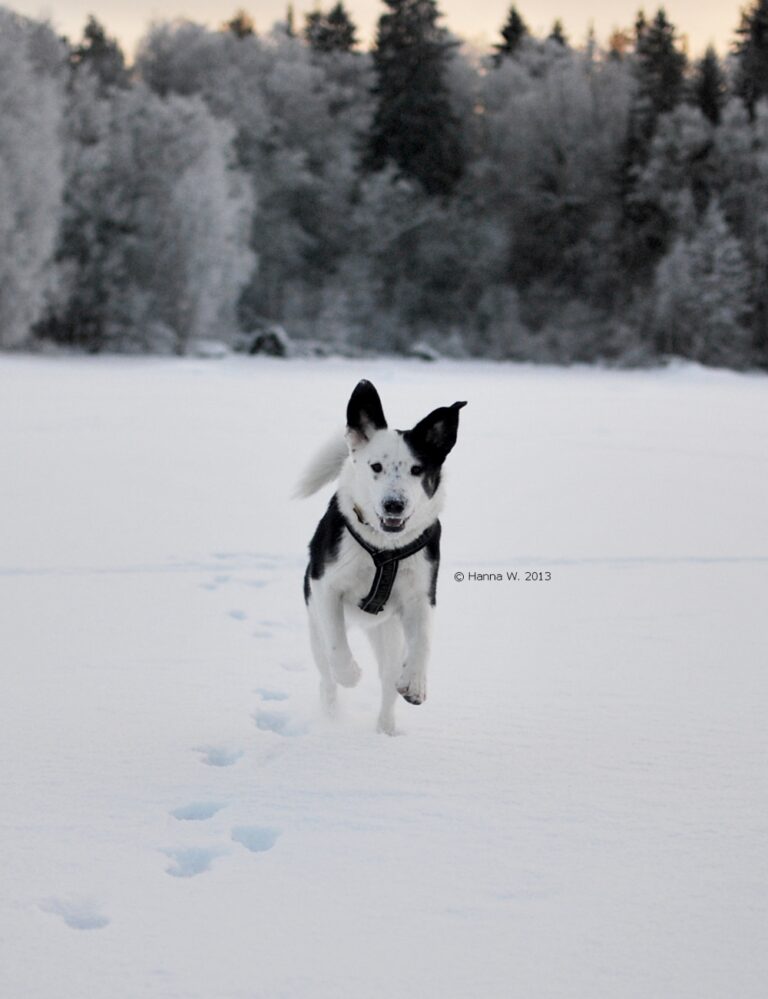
(551, 199)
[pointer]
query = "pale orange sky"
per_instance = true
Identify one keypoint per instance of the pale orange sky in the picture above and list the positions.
(702, 22)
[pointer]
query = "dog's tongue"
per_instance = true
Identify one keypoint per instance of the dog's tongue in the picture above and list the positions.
(393, 522)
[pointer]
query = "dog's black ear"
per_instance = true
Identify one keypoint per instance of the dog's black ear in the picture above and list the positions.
(364, 413)
(434, 436)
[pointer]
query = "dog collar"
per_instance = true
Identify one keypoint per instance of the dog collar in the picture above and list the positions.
(386, 561)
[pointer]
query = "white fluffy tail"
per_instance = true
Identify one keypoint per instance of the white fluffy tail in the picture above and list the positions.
(323, 468)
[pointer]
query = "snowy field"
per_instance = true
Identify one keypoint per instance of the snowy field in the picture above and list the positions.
(579, 809)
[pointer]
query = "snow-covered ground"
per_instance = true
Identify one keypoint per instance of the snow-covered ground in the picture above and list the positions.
(579, 809)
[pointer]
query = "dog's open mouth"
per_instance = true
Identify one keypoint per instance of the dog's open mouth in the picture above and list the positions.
(392, 524)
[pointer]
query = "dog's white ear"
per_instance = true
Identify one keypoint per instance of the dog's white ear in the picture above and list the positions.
(364, 414)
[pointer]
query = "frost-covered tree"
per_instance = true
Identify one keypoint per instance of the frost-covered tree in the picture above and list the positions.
(741, 147)
(739, 160)
(300, 121)
(554, 127)
(700, 296)
(678, 179)
(154, 246)
(414, 126)
(429, 260)
(31, 174)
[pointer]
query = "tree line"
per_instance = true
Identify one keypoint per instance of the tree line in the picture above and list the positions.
(543, 201)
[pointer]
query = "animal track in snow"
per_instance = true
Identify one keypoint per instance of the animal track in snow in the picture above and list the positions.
(292, 666)
(79, 913)
(215, 583)
(257, 839)
(238, 615)
(197, 811)
(219, 756)
(271, 695)
(273, 721)
(192, 860)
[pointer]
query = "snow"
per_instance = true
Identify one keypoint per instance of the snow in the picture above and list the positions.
(579, 809)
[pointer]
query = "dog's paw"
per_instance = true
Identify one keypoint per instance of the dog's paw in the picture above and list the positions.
(347, 672)
(413, 688)
(328, 698)
(386, 725)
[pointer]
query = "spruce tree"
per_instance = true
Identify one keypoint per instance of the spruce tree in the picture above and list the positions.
(752, 55)
(101, 54)
(708, 88)
(414, 125)
(557, 34)
(515, 30)
(641, 26)
(659, 69)
(660, 64)
(241, 25)
(331, 32)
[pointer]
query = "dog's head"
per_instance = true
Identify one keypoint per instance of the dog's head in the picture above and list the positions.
(395, 474)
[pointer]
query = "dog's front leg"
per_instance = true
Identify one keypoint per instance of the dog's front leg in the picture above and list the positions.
(417, 624)
(320, 653)
(388, 645)
(330, 620)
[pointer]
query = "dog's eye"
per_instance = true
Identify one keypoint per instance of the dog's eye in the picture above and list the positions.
(376, 467)
(416, 470)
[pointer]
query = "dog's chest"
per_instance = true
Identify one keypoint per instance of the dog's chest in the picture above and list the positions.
(353, 574)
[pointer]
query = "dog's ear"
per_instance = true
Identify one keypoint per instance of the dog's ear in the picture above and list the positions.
(364, 414)
(435, 435)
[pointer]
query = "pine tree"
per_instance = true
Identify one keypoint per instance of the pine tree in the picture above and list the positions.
(752, 55)
(241, 25)
(708, 88)
(513, 33)
(101, 54)
(331, 32)
(660, 64)
(414, 125)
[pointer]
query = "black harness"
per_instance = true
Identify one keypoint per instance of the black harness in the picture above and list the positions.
(386, 561)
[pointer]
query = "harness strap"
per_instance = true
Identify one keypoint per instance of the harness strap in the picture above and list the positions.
(386, 561)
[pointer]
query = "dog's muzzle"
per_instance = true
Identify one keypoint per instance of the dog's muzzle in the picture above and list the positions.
(392, 519)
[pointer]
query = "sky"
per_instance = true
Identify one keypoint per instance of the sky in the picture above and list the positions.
(713, 21)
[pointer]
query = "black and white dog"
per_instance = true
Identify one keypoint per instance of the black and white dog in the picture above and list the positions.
(374, 557)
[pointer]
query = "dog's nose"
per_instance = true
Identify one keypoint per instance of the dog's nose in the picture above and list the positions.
(393, 506)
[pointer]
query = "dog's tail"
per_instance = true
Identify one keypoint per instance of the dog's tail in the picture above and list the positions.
(323, 468)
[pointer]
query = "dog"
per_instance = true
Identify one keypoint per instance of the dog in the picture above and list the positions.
(374, 558)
